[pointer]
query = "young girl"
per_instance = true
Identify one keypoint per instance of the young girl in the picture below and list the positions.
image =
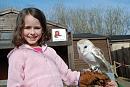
(32, 63)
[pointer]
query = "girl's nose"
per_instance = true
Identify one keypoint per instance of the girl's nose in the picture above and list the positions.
(32, 31)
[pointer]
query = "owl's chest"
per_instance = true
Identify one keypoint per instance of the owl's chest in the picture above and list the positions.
(89, 57)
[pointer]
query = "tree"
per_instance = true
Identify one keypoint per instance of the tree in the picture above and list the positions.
(116, 21)
(112, 21)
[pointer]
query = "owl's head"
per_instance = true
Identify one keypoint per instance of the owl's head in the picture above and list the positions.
(83, 45)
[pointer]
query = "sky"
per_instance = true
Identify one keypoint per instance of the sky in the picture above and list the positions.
(47, 5)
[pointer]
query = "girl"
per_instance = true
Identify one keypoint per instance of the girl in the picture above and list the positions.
(32, 63)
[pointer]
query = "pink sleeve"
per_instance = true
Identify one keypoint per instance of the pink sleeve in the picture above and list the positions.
(68, 76)
(15, 70)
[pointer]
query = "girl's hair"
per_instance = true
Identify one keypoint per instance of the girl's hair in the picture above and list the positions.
(18, 37)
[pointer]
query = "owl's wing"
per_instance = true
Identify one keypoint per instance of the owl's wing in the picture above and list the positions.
(97, 52)
(104, 65)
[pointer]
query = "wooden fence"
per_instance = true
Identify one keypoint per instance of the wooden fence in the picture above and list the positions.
(122, 61)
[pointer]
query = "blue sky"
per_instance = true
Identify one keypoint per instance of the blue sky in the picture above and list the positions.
(47, 5)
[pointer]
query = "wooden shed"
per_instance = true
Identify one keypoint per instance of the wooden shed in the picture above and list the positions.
(98, 40)
(7, 25)
(120, 50)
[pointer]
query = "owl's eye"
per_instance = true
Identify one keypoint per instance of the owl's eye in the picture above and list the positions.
(85, 46)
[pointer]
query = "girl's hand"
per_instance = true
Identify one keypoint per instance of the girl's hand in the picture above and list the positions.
(111, 84)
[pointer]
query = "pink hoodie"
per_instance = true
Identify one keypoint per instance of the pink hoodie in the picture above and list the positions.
(29, 68)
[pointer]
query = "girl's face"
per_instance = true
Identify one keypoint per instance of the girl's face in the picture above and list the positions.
(32, 31)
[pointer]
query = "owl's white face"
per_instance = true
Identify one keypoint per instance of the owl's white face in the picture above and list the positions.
(83, 45)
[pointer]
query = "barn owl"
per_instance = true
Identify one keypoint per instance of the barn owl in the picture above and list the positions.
(93, 56)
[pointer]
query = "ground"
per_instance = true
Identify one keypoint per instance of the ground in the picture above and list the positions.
(124, 81)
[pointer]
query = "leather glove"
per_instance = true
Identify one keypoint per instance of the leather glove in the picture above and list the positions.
(88, 78)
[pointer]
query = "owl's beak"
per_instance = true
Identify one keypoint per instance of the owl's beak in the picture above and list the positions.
(82, 51)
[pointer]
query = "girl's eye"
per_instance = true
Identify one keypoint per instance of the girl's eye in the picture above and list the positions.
(37, 27)
(27, 27)
(30, 27)
(85, 46)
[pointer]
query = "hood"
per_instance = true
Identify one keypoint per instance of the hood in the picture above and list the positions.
(25, 46)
